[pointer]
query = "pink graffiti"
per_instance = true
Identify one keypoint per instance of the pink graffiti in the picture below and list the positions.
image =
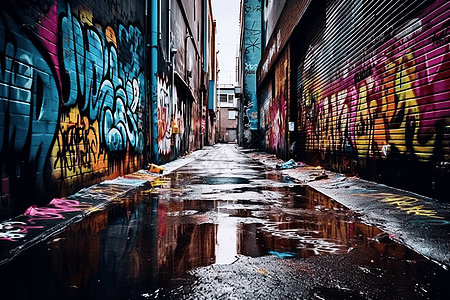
(47, 29)
(54, 210)
(277, 119)
(13, 231)
(396, 96)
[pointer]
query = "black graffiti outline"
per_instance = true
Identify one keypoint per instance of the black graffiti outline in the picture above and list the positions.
(69, 154)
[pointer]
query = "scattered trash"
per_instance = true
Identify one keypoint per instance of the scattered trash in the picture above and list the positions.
(155, 168)
(283, 254)
(323, 176)
(263, 271)
(287, 165)
(301, 164)
(383, 238)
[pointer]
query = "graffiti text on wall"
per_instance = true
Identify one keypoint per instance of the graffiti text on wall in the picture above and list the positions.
(71, 98)
(29, 97)
(79, 139)
(170, 120)
(276, 116)
(395, 103)
(252, 56)
(106, 89)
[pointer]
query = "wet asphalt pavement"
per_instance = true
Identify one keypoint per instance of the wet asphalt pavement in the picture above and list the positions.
(223, 226)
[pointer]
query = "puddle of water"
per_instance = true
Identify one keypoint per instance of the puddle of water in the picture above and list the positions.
(285, 221)
(211, 180)
(154, 238)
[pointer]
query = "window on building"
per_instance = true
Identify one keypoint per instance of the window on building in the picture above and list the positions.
(223, 97)
(231, 114)
(230, 98)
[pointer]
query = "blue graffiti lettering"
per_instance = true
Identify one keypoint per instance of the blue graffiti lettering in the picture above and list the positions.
(29, 98)
(105, 89)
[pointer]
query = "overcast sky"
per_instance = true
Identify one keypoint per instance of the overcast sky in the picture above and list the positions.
(226, 13)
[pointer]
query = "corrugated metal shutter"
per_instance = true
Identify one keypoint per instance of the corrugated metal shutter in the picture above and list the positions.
(374, 83)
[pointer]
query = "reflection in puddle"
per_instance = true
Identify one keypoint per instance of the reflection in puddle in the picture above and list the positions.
(226, 241)
(154, 238)
(285, 221)
(321, 226)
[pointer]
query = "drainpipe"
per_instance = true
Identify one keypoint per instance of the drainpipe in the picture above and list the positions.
(205, 35)
(172, 53)
(145, 120)
(153, 78)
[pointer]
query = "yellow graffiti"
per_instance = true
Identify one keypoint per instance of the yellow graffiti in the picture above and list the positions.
(401, 108)
(76, 148)
(86, 16)
(404, 203)
(363, 124)
(149, 191)
(161, 181)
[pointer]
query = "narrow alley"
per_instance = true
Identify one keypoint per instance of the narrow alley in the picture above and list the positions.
(222, 225)
(224, 149)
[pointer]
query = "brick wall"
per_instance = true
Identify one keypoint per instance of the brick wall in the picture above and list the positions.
(72, 90)
(225, 124)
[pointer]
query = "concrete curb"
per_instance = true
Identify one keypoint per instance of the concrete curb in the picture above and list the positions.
(39, 223)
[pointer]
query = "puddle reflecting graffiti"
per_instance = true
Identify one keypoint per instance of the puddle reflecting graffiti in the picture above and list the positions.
(321, 226)
(154, 238)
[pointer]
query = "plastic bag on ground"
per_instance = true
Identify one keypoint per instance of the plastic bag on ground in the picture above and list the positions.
(288, 165)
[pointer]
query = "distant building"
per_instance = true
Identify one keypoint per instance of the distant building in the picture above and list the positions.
(228, 107)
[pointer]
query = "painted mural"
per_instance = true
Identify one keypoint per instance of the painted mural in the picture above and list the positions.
(390, 103)
(171, 121)
(277, 111)
(72, 92)
(102, 96)
(252, 56)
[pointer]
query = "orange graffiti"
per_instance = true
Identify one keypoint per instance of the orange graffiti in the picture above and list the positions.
(110, 35)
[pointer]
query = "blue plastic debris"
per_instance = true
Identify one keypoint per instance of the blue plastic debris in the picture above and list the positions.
(283, 254)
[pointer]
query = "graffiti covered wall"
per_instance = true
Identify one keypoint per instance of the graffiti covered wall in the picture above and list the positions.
(252, 56)
(72, 92)
(180, 126)
(374, 99)
(275, 109)
(172, 117)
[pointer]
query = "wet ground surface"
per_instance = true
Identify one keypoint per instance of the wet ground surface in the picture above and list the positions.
(223, 227)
